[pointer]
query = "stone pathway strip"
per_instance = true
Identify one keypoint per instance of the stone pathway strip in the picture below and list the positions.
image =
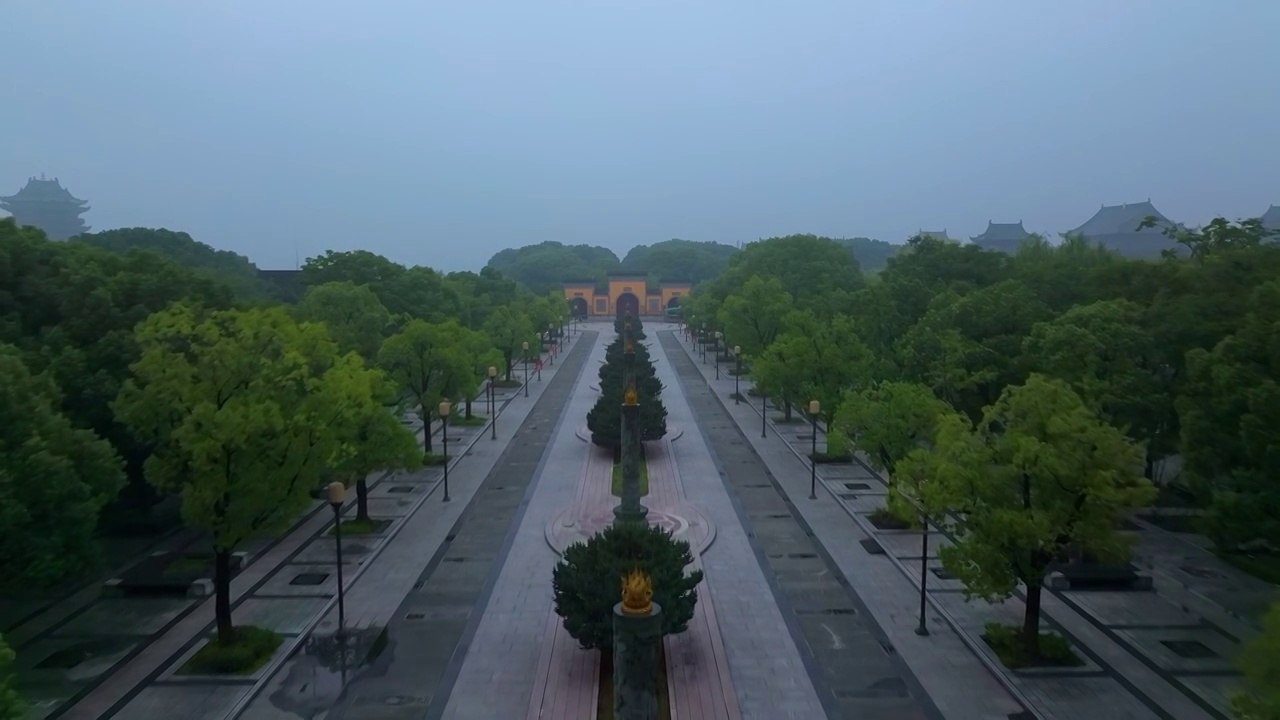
(1145, 656)
(852, 666)
(144, 681)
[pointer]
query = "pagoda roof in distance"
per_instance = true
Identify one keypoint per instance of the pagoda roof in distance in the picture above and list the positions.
(936, 235)
(1123, 220)
(1271, 218)
(42, 190)
(1002, 232)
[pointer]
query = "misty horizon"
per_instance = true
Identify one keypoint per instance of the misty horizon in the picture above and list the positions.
(441, 135)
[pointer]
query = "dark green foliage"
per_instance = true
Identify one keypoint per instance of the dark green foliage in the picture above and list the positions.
(872, 255)
(679, 260)
(587, 581)
(604, 420)
(543, 267)
(248, 651)
(220, 265)
(1055, 651)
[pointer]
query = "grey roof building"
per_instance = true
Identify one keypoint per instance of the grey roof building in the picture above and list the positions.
(1001, 237)
(1116, 228)
(1271, 218)
(48, 206)
(936, 235)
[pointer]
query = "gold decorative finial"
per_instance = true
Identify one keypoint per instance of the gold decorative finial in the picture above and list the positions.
(631, 397)
(637, 593)
(631, 347)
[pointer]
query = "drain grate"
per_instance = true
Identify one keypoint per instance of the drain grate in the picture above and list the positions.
(757, 485)
(456, 559)
(401, 489)
(828, 611)
(848, 496)
(313, 578)
(415, 616)
(857, 486)
(1190, 649)
(941, 573)
(871, 546)
(449, 537)
(801, 556)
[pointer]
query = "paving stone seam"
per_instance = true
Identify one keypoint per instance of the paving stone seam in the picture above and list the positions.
(982, 654)
(440, 700)
(155, 674)
(824, 691)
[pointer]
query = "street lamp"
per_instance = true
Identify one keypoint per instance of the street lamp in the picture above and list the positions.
(337, 495)
(716, 351)
(814, 408)
(444, 409)
(493, 403)
(923, 629)
(551, 338)
(526, 368)
(703, 339)
(737, 373)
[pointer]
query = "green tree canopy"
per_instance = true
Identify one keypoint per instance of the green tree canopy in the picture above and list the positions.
(245, 409)
(1040, 476)
(11, 705)
(542, 268)
(357, 320)
(890, 420)
(1230, 412)
(508, 328)
(54, 480)
(428, 362)
(223, 266)
(753, 316)
(1260, 665)
(679, 260)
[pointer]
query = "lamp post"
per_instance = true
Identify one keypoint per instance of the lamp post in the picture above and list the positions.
(444, 409)
(526, 368)
(923, 629)
(715, 350)
(814, 408)
(764, 412)
(737, 373)
(493, 403)
(338, 494)
(551, 338)
(702, 338)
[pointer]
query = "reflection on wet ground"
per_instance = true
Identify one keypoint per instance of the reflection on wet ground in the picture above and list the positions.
(316, 676)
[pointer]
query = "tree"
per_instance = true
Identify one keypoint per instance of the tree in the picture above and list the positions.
(604, 420)
(54, 480)
(542, 268)
(1260, 664)
(245, 410)
(223, 266)
(888, 421)
(586, 582)
(754, 315)
(1040, 476)
(815, 271)
(11, 705)
(508, 328)
(1104, 351)
(479, 354)
(359, 267)
(356, 318)
(815, 360)
(872, 255)
(377, 441)
(1230, 410)
(679, 260)
(428, 364)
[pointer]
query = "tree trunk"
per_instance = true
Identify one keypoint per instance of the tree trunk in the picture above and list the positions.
(222, 594)
(468, 404)
(1031, 621)
(362, 501)
(426, 432)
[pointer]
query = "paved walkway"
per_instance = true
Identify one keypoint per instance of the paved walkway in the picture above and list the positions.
(287, 586)
(1146, 654)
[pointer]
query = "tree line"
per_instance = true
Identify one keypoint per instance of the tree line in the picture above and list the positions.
(139, 365)
(1027, 402)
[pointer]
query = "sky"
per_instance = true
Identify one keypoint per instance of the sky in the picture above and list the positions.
(440, 133)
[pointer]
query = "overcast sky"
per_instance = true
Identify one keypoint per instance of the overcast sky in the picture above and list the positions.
(441, 132)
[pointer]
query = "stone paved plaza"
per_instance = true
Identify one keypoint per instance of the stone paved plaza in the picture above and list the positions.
(807, 610)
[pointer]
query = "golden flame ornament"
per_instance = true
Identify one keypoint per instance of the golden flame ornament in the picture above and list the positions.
(637, 594)
(631, 397)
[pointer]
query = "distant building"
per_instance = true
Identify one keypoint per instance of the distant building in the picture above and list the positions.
(623, 297)
(1271, 219)
(47, 205)
(936, 235)
(1001, 237)
(1116, 228)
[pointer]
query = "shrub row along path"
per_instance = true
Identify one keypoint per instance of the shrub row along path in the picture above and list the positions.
(289, 586)
(1163, 654)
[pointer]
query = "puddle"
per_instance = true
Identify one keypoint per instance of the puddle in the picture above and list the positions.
(319, 672)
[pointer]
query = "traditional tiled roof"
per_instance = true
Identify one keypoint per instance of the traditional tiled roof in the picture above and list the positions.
(41, 190)
(1123, 220)
(936, 235)
(1271, 218)
(1002, 232)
